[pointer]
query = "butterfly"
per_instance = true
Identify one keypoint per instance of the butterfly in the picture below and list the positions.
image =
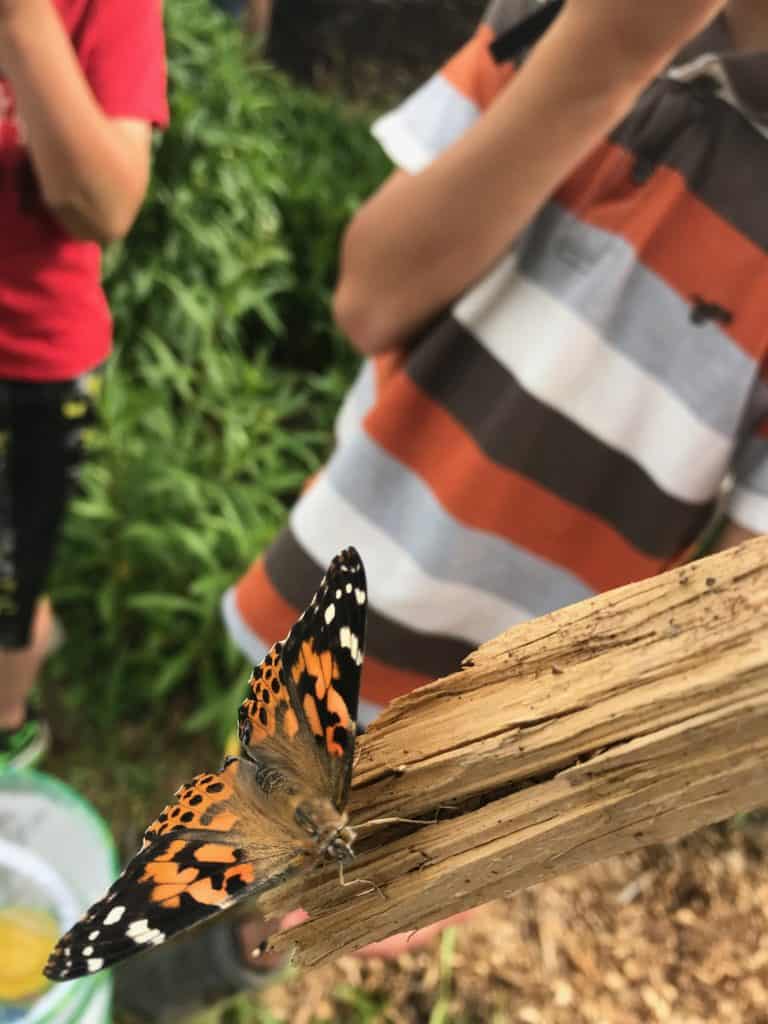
(272, 813)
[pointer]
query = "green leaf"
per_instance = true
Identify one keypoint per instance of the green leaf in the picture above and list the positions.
(164, 603)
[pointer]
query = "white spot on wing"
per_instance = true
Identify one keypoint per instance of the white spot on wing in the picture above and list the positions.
(330, 611)
(359, 596)
(143, 935)
(94, 935)
(88, 951)
(94, 965)
(114, 916)
(348, 588)
(338, 594)
(349, 640)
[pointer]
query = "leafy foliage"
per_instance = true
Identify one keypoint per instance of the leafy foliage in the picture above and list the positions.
(205, 435)
(327, 176)
(177, 499)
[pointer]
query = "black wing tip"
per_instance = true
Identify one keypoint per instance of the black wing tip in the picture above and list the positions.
(57, 972)
(58, 964)
(52, 970)
(345, 580)
(60, 968)
(76, 954)
(347, 560)
(346, 566)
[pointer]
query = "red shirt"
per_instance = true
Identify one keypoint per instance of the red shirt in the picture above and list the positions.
(54, 319)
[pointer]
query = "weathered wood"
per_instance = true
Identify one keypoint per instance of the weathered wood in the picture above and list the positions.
(633, 717)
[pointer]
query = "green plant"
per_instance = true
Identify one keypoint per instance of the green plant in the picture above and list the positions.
(441, 1010)
(207, 247)
(252, 184)
(205, 437)
(176, 501)
(326, 177)
(241, 1010)
(359, 1005)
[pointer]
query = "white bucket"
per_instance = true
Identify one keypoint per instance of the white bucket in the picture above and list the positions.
(57, 855)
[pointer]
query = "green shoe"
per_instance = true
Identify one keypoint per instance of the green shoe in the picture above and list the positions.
(25, 746)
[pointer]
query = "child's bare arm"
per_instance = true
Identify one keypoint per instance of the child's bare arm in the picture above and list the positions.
(423, 238)
(93, 171)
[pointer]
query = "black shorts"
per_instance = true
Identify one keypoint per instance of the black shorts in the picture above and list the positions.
(40, 452)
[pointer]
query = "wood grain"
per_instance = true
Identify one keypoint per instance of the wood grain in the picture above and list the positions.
(633, 717)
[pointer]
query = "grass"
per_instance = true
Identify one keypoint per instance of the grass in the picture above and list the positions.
(241, 1010)
(441, 1010)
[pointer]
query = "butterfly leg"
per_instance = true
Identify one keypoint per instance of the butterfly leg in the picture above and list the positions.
(355, 881)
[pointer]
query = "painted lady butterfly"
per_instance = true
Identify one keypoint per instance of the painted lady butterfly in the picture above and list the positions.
(274, 812)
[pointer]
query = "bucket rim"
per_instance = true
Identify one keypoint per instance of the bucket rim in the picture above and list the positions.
(73, 1001)
(77, 993)
(62, 791)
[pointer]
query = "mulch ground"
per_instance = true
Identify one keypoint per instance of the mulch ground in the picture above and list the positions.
(675, 934)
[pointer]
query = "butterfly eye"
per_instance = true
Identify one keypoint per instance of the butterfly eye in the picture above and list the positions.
(338, 849)
(305, 822)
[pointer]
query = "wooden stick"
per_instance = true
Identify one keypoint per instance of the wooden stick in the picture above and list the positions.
(628, 719)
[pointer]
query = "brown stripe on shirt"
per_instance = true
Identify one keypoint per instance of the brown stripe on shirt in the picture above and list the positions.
(517, 431)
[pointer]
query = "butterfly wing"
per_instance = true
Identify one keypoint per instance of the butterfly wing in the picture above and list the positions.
(299, 719)
(219, 842)
(234, 834)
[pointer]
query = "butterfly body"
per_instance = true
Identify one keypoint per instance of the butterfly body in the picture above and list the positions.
(328, 829)
(274, 812)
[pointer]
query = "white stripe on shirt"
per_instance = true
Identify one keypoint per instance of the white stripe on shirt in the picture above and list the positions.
(323, 522)
(593, 384)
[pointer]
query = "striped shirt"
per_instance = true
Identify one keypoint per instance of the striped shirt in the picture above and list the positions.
(568, 425)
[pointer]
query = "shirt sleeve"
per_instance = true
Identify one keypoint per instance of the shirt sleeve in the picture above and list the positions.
(748, 506)
(441, 110)
(121, 47)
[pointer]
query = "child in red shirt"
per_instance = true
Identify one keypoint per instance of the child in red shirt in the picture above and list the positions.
(81, 84)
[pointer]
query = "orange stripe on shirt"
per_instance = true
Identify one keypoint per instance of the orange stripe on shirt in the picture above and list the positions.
(474, 72)
(381, 683)
(266, 612)
(481, 493)
(262, 608)
(386, 365)
(676, 235)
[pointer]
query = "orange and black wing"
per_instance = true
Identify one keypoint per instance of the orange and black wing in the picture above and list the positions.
(299, 719)
(232, 834)
(209, 849)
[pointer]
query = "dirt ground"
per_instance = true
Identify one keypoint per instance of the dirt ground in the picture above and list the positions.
(675, 934)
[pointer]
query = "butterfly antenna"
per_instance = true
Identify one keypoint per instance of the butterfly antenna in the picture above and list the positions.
(366, 881)
(393, 821)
